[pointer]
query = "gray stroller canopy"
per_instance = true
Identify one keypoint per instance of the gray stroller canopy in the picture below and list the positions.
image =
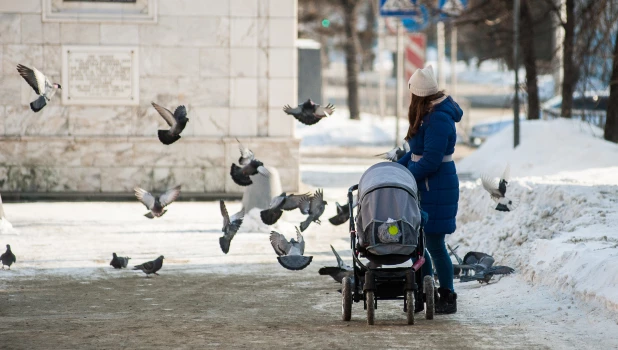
(386, 174)
(387, 196)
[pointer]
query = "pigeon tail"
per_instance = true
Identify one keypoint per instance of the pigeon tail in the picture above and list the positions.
(305, 224)
(149, 215)
(167, 138)
(38, 104)
(339, 219)
(225, 244)
(270, 217)
(294, 262)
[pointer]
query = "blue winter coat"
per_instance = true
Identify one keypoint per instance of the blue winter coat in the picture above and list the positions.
(437, 181)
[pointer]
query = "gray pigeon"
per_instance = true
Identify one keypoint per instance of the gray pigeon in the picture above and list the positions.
(343, 212)
(151, 266)
(396, 153)
(249, 166)
(309, 112)
(482, 264)
(177, 122)
(8, 258)
(337, 272)
(119, 262)
(156, 205)
(230, 226)
(290, 254)
(497, 191)
(316, 209)
(40, 84)
(280, 203)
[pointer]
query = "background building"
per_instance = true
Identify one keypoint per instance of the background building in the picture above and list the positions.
(233, 63)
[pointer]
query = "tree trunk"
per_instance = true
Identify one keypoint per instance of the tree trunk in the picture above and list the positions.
(611, 122)
(527, 46)
(369, 56)
(351, 55)
(568, 67)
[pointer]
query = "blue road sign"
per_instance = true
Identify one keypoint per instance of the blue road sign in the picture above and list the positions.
(399, 8)
(450, 8)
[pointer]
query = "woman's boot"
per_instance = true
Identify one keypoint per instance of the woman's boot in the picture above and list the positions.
(447, 303)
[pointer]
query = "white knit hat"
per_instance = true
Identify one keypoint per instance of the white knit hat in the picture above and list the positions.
(423, 82)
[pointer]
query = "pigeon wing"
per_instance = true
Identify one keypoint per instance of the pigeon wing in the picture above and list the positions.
(293, 111)
(491, 186)
(301, 241)
(165, 113)
(507, 172)
(322, 112)
(169, 196)
(293, 201)
(277, 202)
(316, 201)
(224, 213)
(390, 155)
(33, 77)
(338, 219)
(406, 146)
(279, 243)
(145, 197)
(180, 113)
(237, 218)
(500, 270)
(246, 155)
(305, 205)
(340, 262)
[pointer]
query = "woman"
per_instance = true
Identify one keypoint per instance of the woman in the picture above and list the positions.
(432, 137)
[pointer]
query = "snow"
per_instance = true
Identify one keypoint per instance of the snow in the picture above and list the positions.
(6, 228)
(562, 234)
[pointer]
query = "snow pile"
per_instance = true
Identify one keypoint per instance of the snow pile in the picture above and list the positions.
(339, 130)
(6, 228)
(252, 222)
(563, 233)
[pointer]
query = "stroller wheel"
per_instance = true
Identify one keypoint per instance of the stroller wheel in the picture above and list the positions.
(346, 299)
(430, 301)
(410, 306)
(369, 299)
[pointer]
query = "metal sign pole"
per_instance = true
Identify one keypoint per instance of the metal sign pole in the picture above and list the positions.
(453, 61)
(516, 67)
(440, 38)
(399, 91)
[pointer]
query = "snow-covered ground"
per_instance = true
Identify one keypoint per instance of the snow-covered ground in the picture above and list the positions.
(564, 232)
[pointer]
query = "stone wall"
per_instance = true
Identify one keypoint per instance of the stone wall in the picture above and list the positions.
(233, 63)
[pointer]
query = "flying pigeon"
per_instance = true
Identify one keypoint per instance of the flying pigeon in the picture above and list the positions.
(151, 266)
(280, 203)
(497, 191)
(396, 153)
(156, 205)
(8, 258)
(119, 262)
(290, 254)
(176, 121)
(337, 272)
(482, 264)
(316, 209)
(230, 226)
(41, 85)
(309, 112)
(343, 212)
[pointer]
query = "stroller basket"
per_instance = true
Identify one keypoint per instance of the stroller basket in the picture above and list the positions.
(389, 215)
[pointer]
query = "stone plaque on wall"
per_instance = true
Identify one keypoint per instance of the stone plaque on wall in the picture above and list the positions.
(100, 75)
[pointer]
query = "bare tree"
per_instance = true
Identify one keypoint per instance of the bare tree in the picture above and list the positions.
(611, 122)
(351, 54)
(526, 26)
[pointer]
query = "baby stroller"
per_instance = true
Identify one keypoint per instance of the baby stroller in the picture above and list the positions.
(390, 232)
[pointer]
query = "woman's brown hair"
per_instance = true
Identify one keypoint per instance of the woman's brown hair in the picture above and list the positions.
(419, 107)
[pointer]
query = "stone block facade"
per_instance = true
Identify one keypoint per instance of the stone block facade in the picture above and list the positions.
(233, 63)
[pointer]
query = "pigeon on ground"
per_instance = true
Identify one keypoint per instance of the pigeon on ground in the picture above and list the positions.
(156, 205)
(8, 258)
(177, 122)
(497, 191)
(151, 266)
(337, 272)
(280, 203)
(41, 85)
(316, 209)
(482, 264)
(249, 166)
(343, 212)
(290, 254)
(396, 153)
(230, 226)
(119, 262)
(309, 112)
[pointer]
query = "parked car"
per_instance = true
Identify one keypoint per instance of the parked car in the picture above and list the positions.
(590, 106)
(481, 131)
